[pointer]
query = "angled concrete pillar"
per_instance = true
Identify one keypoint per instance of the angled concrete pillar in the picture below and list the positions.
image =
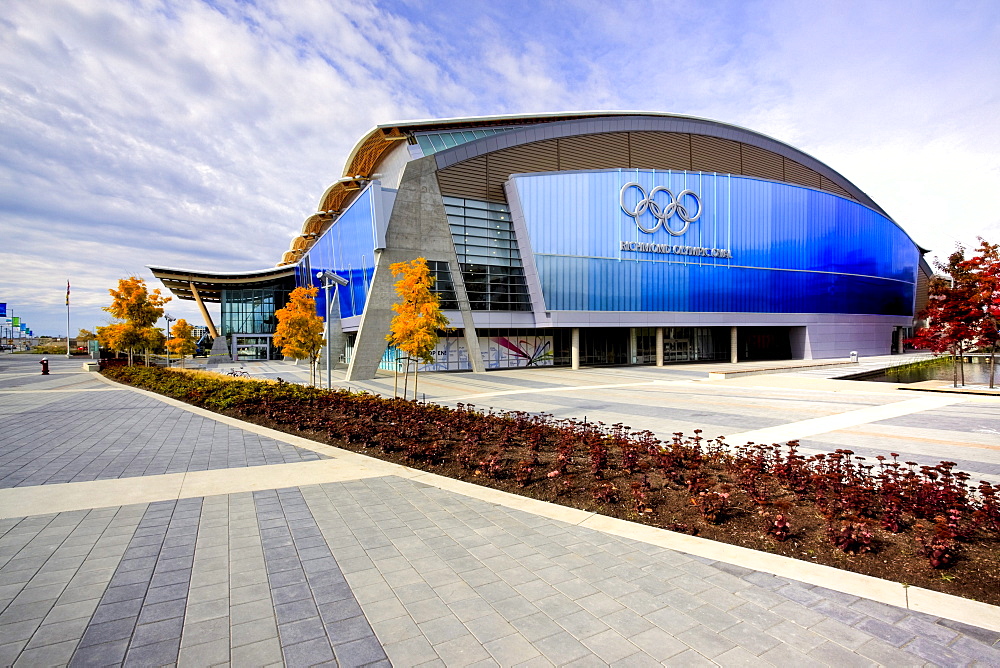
(633, 346)
(418, 227)
(659, 346)
(734, 348)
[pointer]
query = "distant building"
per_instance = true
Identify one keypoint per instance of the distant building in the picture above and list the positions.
(589, 239)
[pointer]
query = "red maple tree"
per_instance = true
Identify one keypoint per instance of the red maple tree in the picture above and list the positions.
(957, 315)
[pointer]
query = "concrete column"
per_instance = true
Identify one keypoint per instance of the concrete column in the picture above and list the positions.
(734, 348)
(204, 311)
(659, 346)
(633, 346)
(575, 348)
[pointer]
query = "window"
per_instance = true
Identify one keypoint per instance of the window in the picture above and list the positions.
(488, 254)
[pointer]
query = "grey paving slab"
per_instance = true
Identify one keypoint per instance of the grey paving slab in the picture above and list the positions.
(118, 434)
(701, 611)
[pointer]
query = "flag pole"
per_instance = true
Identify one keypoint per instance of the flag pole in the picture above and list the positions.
(67, 319)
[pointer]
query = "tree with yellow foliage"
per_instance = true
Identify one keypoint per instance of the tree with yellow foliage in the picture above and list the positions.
(414, 329)
(139, 309)
(182, 342)
(299, 333)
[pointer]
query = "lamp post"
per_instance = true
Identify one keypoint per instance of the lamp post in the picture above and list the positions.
(329, 279)
(169, 319)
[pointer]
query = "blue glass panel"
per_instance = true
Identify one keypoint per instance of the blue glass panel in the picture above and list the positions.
(793, 249)
(348, 250)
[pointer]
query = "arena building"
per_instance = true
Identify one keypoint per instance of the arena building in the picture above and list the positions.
(589, 239)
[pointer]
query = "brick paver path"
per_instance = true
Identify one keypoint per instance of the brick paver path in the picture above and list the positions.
(380, 570)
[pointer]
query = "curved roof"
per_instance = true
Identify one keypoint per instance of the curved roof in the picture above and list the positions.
(368, 152)
(211, 283)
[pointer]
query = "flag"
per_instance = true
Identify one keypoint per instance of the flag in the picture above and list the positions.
(3, 310)
(67, 292)
(17, 320)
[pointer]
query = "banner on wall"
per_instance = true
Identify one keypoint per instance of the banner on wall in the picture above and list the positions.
(499, 352)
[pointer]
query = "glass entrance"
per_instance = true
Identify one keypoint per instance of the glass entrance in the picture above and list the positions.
(251, 347)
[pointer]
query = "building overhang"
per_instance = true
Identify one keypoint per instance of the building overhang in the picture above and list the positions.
(209, 284)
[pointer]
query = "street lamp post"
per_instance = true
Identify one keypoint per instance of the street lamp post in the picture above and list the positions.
(329, 279)
(169, 319)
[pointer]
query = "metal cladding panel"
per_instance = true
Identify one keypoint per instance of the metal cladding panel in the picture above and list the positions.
(660, 150)
(594, 151)
(760, 163)
(794, 249)
(712, 154)
(797, 173)
(464, 179)
(348, 250)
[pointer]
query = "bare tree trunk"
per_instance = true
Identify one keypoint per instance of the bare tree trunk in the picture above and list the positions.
(954, 366)
(993, 365)
(406, 377)
(416, 377)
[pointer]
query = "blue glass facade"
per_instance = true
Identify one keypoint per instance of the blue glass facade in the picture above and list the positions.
(348, 250)
(793, 249)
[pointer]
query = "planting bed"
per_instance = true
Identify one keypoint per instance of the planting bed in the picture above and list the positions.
(930, 527)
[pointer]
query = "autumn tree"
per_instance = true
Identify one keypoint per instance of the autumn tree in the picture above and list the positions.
(182, 342)
(299, 333)
(984, 267)
(962, 307)
(138, 310)
(85, 335)
(414, 329)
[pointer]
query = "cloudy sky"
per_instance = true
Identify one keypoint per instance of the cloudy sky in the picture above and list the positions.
(201, 134)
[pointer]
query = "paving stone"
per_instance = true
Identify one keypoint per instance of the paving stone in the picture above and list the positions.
(658, 643)
(263, 652)
(159, 653)
(737, 656)
(56, 654)
(750, 638)
(536, 626)
(154, 632)
(461, 651)
(891, 634)
(688, 658)
(104, 654)
(834, 654)
(984, 654)
(610, 646)
(443, 629)
(786, 656)
(885, 654)
(362, 652)
(410, 652)
(509, 650)
(881, 611)
(706, 642)
(924, 625)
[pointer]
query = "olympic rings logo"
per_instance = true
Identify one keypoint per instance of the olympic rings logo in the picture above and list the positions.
(674, 205)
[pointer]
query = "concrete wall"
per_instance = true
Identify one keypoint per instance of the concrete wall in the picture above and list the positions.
(418, 227)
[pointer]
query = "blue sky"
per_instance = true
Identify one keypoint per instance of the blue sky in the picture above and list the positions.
(201, 134)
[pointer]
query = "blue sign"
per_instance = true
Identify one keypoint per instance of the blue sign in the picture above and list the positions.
(645, 240)
(3, 310)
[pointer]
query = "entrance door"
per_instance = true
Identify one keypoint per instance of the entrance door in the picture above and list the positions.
(251, 348)
(676, 350)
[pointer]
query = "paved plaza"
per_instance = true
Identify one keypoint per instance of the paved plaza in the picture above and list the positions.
(135, 530)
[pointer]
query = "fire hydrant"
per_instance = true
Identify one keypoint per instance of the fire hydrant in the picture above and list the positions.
(45, 366)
